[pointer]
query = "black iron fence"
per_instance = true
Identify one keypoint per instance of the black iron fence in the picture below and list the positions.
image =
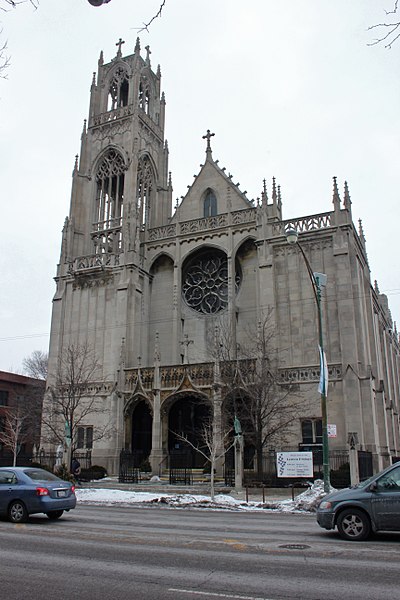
(129, 471)
(339, 464)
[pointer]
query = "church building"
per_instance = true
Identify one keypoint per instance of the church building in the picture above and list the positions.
(152, 286)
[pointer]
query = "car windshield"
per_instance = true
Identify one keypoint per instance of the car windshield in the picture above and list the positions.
(40, 475)
(366, 482)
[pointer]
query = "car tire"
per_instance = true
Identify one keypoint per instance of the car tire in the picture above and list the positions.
(353, 525)
(54, 514)
(17, 512)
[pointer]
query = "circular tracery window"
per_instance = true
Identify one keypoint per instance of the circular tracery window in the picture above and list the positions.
(205, 282)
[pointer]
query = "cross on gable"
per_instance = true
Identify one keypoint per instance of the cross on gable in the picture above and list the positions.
(119, 44)
(147, 48)
(207, 137)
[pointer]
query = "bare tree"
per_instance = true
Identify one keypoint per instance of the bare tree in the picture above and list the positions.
(212, 444)
(389, 30)
(253, 392)
(36, 364)
(14, 430)
(20, 420)
(73, 397)
(5, 6)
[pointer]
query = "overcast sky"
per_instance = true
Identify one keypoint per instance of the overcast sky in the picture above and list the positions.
(291, 89)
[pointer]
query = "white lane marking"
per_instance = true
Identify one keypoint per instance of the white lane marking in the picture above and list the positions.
(215, 595)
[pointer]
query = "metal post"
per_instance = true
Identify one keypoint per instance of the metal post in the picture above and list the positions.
(325, 440)
(292, 238)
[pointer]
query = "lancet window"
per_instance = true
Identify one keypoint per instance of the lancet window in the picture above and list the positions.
(210, 204)
(118, 90)
(144, 190)
(110, 177)
(144, 98)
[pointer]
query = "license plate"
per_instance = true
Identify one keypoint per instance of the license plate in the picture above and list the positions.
(61, 494)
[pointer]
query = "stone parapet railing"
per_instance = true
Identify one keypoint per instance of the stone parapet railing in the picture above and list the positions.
(304, 224)
(111, 115)
(237, 217)
(93, 261)
(309, 374)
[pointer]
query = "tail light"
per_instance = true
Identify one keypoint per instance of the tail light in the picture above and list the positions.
(72, 489)
(42, 491)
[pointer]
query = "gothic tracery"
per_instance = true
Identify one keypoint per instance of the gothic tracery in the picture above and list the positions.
(205, 282)
(109, 203)
(145, 185)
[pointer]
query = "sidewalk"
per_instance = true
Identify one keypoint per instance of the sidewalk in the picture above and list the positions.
(203, 489)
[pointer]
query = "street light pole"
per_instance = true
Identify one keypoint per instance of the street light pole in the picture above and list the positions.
(317, 280)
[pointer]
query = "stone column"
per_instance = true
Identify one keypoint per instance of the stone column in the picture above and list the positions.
(352, 440)
(239, 447)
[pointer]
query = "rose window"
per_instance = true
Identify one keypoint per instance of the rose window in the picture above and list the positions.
(205, 282)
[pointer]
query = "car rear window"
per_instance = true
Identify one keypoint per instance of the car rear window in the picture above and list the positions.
(40, 475)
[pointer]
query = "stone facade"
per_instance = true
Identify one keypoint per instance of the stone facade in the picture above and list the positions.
(146, 285)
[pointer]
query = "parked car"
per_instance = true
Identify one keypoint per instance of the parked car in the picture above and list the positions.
(27, 490)
(372, 505)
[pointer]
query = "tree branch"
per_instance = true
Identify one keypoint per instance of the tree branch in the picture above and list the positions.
(147, 25)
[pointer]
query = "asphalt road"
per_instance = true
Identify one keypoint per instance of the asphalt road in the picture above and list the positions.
(137, 553)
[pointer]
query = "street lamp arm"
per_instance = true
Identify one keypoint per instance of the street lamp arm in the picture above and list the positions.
(310, 273)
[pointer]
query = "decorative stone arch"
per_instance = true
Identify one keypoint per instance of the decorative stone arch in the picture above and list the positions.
(249, 240)
(246, 255)
(109, 180)
(205, 280)
(138, 420)
(146, 91)
(146, 188)
(184, 412)
(159, 256)
(209, 203)
(117, 86)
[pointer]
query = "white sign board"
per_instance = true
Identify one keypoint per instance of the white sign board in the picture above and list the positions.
(294, 464)
(332, 431)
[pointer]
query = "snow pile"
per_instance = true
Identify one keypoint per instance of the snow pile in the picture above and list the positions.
(305, 502)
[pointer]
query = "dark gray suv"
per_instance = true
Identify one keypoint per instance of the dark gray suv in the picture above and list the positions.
(373, 505)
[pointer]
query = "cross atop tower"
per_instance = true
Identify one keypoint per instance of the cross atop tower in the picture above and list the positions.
(119, 44)
(207, 137)
(148, 52)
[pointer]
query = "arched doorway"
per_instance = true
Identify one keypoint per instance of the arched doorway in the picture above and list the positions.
(141, 441)
(187, 418)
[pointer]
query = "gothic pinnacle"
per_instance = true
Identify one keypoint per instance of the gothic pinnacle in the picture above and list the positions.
(336, 197)
(137, 46)
(274, 196)
(347, 200)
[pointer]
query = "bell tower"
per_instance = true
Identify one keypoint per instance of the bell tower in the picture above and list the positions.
(121, 184)
(121, 187)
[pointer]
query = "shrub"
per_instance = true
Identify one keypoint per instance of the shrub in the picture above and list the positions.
(145, 466)
(64, 473)
(93, 472)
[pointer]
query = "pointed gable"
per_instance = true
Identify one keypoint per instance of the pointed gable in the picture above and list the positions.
(213, 192)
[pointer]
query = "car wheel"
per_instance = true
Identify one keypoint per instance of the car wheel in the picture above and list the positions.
(17, 512)
(354, 525)
(54, 514)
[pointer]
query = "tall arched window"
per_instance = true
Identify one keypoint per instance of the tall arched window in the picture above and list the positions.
(210, 203)
(119, 90)
(144, 189)
(144, 98)
(109, 203)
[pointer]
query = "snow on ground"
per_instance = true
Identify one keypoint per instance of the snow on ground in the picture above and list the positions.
(304, 502)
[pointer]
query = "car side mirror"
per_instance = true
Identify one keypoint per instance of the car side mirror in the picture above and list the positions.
(373, 487)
